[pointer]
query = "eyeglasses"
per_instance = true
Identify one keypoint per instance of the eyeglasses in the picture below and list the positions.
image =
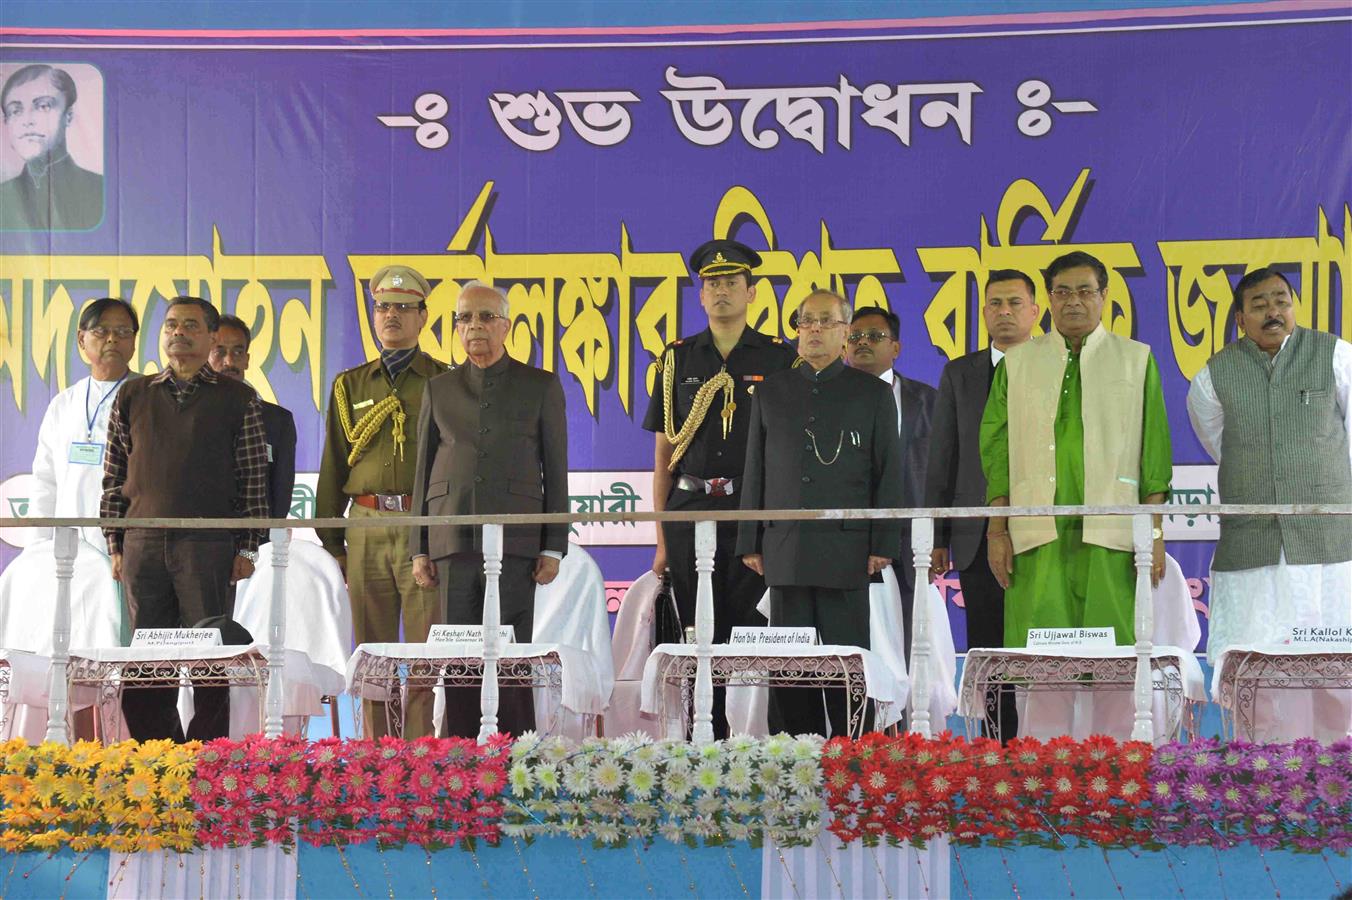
(1064, 294)
(383, 307)
(873, 336)
(122, 332)
(806, 322)
(482, 316)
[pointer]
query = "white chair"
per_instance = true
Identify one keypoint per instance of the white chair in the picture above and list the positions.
(28, 610)
(631, 645)
(1048, 714)
(571, 611)
(318, 614)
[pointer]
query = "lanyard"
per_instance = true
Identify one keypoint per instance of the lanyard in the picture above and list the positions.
(90, 417)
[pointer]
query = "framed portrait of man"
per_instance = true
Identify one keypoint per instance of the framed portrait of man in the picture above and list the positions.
(51, 155)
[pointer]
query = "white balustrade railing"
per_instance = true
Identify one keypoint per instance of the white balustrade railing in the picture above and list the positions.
(922, 639)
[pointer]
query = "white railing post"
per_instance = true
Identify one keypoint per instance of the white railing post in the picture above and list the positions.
(1143, 728)
(58, 706)
(280, 540)
(706, 539)
(922, 544)
(488, 699)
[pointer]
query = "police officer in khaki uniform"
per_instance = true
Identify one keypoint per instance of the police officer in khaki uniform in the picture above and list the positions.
(369, 459)
(699, 411)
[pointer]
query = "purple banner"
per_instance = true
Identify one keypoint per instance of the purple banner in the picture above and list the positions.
(897, 167)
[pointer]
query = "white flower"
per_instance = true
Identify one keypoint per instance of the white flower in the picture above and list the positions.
(709, 805)
(704, 827)
(778, 746)
(711, 752)
(806, 775)
(741, 807)
(547, 777)
(677, 784)
(672, 832)
(606, 833)
(520, 779)
(642, 780)
(608, 777)
(642, 811)
(605, 807)
(768, 775)
(556, 750)
(674, 809)
(577, 779)
(742, 743)
(738, 831)
(807, 746)
(738, 778)
(648, 753)
(709, 776)
(810, 805)
(678, 765)
(525, 744)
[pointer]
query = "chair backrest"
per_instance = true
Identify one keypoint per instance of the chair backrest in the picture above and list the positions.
(318, 609)
(571, 610)
(632, 642)
(28, 600)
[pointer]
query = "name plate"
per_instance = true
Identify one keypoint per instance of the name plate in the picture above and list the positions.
(1321, 635)
(176, 637)
(774, 636)
(1066, 638)
(467, 634)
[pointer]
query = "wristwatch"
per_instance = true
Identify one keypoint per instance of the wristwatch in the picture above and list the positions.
(1157, 534)
(250, 555)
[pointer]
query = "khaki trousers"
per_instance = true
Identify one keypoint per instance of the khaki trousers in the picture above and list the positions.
(380, 583)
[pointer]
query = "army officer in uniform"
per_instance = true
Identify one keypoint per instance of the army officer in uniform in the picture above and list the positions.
(699, 410)
(821, 436)
(369, 459)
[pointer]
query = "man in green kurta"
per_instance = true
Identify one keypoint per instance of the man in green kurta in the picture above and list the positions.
(1074, 417)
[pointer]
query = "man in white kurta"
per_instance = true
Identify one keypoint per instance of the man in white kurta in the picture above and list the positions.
(1273, 409)
(68, 462)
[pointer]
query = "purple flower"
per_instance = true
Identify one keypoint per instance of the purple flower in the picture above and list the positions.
(1198, 790)
(1333, 789)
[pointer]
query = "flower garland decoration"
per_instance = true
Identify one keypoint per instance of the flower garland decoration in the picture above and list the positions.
(429, 792)
(1295, 796)
(124, 797)
(908, 790)
(634, 789)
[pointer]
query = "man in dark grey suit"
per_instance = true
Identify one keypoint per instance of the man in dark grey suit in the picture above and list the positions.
(872, 345)
(492, 439)
(822, 436)
(954, 476)
(230, 357)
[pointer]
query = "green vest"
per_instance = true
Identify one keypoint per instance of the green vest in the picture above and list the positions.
(1283, 442)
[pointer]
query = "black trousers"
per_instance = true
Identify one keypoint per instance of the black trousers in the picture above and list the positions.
(984, 605)
(462, 585)
(737, 589)
(173, 579)
(840, 617)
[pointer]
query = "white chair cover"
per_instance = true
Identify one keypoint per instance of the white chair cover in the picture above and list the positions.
(318, 610)
(631, 645)
(1047, 714)
(571, 611)
(748, 706)
(28, 610)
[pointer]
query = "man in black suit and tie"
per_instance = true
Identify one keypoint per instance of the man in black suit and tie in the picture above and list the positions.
(954, 476)
(872, 345)
(492, 439)
(230, 357)
(821, 436)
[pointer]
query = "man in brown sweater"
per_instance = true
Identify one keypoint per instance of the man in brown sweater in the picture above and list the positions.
(182, 444)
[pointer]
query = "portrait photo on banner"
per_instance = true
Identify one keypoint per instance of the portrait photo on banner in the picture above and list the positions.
(52, 152)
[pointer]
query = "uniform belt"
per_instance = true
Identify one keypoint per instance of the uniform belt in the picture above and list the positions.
(386, 502)
(714, 487)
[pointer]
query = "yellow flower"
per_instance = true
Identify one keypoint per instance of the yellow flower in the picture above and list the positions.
(145, 817)
(107, 787)
(81, 843)
(174, 788)
(121, 843)
(73, 789)
(45, 783)
(140, 786)
(50, 840)
(18, 816)
(12, 840)
(18, 759)
(16, 788)
(149, 842)
(85, 755)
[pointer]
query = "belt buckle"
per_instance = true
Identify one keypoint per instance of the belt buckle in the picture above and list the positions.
(719, 487)
(391, 502)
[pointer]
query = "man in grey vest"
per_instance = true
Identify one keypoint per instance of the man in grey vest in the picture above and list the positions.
(492, 440)
(1273, 410)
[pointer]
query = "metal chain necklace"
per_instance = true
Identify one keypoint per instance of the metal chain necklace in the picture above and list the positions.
(840, 442)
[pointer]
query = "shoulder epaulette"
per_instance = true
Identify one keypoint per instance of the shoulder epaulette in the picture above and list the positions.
(796, 363)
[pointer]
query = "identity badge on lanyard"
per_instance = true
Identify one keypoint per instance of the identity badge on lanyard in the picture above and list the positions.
(90, 452)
